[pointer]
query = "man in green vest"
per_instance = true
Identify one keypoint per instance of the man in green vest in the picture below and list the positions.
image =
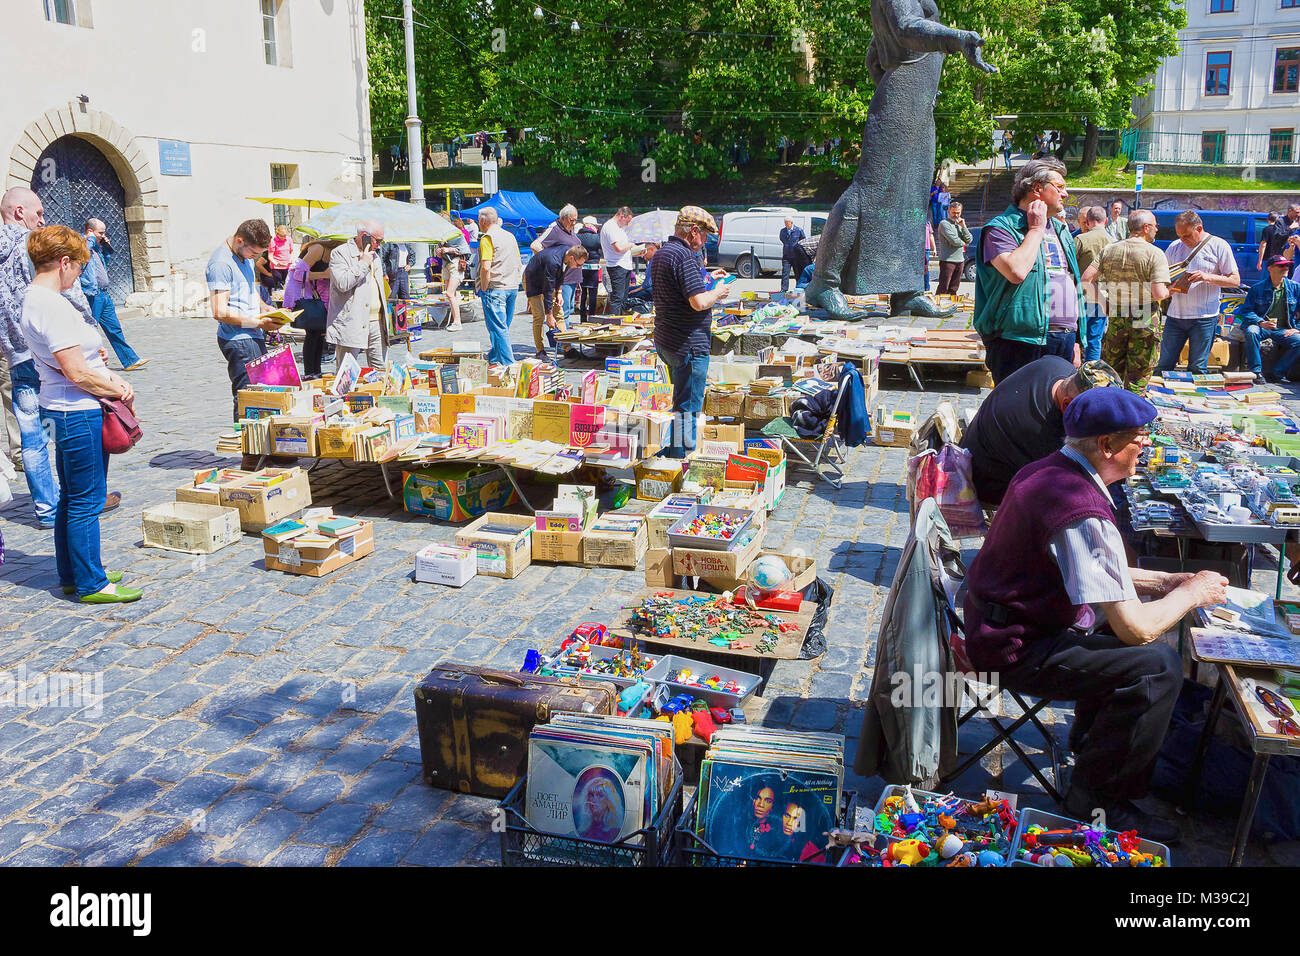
(1028, 297)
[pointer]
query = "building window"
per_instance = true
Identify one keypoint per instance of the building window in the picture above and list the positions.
(1212, 146)
(60, 11)
(1221, 6)
(1279, 145)
(1290, 4)
(1286, 70)
(280, 179)
(1218, 71)
(268, 32)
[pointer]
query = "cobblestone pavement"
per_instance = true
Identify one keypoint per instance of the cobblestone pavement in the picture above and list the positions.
(254, 717)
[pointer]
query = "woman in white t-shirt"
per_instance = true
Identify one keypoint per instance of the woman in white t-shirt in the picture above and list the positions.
(73, 379)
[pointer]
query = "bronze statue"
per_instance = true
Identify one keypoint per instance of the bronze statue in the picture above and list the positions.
(874, 239)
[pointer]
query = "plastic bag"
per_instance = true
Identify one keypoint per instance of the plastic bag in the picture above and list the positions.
(814, 642)
(945, 475)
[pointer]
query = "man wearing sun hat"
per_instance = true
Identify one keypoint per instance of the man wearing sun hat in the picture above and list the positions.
(1271, 310)
(684, 318)
(1054, 558)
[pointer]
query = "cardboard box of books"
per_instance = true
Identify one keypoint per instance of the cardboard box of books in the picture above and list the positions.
(337, 440)
(504, 543)
(723, 402)
(657, 478)
(765, 408)
(443, 564)
(558, 547)
(294, 436)
(665, 514)
(263, 402)
(615, 541)
(732, 434)
(705, 563)
(205, 488)
(293, 547)
(267, 496)
(456, 492)
(189, 527)
(894, 430)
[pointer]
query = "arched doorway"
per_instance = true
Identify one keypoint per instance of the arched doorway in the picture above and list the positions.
(76, 182)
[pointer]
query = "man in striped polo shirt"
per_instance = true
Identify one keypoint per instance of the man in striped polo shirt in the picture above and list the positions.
(684, 304)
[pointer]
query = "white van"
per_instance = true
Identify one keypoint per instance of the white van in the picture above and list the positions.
(750, 241)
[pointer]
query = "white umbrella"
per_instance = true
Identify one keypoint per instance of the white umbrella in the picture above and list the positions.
(403, 221)
(654, 226)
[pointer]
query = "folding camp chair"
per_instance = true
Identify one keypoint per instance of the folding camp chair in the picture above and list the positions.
(815, 453)
(953, 571)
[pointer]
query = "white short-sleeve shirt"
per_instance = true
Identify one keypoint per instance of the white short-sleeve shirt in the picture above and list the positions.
(50, 323)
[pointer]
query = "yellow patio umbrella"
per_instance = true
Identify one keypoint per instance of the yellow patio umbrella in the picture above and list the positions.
(309, 197)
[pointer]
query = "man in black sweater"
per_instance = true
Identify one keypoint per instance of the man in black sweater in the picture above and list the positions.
(543, 282)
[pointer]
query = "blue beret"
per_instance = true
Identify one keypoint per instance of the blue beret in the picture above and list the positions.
(1101, 411)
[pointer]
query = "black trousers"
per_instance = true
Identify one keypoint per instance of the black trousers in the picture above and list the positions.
(1124, 698)
(313, 351)
(587, 293)
(618, 278)
(1004, 356)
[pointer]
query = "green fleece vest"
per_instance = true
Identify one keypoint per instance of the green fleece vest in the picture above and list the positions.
(1009, 311)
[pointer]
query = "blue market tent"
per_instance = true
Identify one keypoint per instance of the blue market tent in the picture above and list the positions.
(521, 213)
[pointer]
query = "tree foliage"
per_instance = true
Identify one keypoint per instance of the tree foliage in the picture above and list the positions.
(678, 90)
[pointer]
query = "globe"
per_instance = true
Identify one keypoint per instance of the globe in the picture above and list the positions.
(765, 578)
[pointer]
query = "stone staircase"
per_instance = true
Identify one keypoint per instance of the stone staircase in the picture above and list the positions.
(969, 187)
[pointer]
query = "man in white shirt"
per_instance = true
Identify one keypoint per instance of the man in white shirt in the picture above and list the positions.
(1193, 314)
(616, 248)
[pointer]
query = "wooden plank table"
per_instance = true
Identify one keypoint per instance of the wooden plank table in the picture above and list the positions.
(787, 648)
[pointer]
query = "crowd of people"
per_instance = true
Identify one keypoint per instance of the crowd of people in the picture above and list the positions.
(1107, 292)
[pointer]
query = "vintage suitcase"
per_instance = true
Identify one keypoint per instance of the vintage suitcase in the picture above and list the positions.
(474, 722)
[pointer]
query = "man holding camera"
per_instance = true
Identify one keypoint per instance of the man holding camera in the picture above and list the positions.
(357, 304)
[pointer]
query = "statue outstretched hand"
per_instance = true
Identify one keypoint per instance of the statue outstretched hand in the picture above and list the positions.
(970, 48)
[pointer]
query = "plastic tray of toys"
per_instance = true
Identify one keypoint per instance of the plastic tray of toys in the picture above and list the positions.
(968, 840)
(692, 850)
(713, 696)
(1050, 821)
(601, 652)
(522, 844)
(737, 523)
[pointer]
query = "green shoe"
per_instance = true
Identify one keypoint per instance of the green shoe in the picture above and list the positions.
(113, 578)
(120, 596)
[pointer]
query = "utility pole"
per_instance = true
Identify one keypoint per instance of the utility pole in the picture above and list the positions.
(414, 139)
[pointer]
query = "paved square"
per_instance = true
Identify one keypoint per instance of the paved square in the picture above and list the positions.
(247, 716)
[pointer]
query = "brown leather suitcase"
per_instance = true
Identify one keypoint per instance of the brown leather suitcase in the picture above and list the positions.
(474, 722)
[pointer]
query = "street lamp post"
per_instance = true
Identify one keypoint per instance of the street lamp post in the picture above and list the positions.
(414, 140)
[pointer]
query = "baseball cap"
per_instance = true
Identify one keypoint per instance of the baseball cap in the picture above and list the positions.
(1097, 373)
(589, 220)
(695, 216)
(1280, 261)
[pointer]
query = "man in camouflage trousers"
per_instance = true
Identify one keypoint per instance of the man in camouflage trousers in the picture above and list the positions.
(1132, 278)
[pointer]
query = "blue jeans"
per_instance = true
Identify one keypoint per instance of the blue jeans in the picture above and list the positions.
(105, 313)
(1196, 334)
(1096, 329)
(1288, 349)
(42, 484)
(787, 271)
(689, 373)
(498, 310)
(1062, 344)
(83, 478)
(238, 353)
(567, 292)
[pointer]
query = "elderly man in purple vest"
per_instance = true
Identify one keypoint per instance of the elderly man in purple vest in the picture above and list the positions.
(1054, 558)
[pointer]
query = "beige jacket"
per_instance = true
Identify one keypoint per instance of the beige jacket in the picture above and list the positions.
(353, 291)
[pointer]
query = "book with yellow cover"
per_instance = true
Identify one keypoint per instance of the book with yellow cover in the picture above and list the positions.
(551, 421)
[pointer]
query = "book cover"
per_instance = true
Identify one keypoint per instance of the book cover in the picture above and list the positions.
(519, 419)
(448, 380)
(452, 407)
(654, 396)
(589, 380)
(624, 399)
(551, 421)
(427, 411)
(762, 811)
(584, 422)
(475, 370)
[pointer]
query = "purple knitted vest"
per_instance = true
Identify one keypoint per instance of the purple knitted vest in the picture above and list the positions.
(1015, 570)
